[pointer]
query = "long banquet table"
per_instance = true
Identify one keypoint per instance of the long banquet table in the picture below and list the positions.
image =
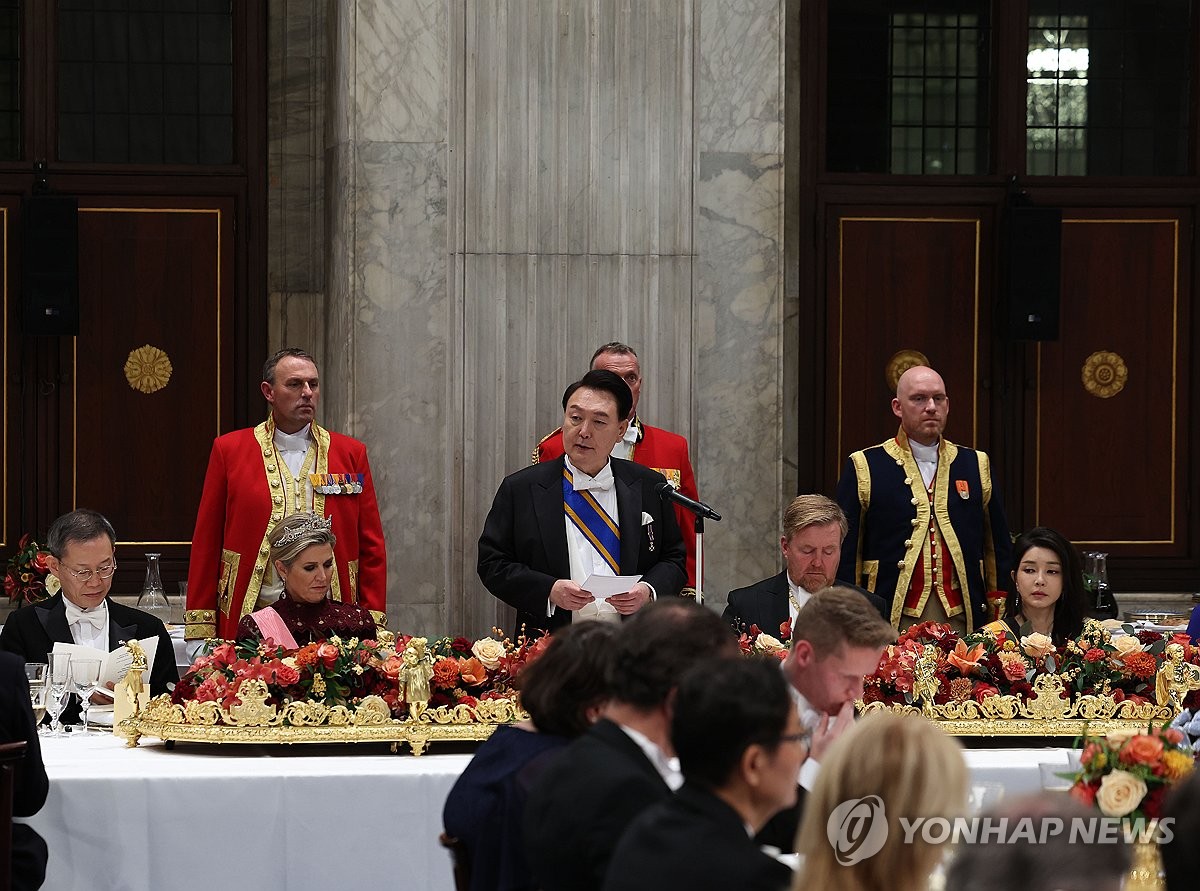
(201, 817)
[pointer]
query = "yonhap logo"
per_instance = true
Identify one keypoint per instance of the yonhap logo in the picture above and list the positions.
(857, 829)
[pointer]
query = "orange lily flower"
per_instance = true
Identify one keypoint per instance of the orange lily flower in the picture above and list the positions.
(966, 661)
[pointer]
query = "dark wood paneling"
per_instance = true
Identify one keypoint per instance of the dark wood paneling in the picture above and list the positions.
(1112, 472)
(157, 276)
(905, 278)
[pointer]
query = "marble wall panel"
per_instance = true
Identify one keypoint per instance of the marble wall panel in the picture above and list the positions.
(739, 314)
(297, 319)
(400, 70)
(530, 324)
(577, 127)
(739, 77)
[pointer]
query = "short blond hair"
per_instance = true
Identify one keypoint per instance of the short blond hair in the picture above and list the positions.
(915, 769)
(837, 616)
(812, 510)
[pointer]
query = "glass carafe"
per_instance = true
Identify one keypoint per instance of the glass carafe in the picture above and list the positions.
(153, 599)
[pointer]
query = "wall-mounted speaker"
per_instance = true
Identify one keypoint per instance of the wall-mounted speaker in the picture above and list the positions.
(50, 265)
(1032, 268)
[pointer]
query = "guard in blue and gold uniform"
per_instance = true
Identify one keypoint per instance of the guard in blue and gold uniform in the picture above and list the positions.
(927, 529)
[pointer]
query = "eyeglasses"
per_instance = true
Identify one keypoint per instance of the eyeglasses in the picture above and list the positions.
(804, 736)
(85, 575)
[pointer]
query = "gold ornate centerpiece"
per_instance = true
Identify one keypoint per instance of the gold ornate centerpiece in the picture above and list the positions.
(407, 690)
(995, 684)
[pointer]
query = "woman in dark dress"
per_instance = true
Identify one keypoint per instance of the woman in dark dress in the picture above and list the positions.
(1047, 593)
(564, 691)
(302, 553)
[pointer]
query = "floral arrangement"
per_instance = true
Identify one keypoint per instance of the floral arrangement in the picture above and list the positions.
(984, 663)
(25, 575)
(345, 672)
(756, 641)
(1128, 773)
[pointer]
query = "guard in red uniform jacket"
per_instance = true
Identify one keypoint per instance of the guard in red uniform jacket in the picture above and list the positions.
(258, 476)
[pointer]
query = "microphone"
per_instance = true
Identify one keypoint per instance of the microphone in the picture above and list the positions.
(666, 490)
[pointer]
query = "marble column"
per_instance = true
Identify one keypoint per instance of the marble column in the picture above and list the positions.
(501, 187)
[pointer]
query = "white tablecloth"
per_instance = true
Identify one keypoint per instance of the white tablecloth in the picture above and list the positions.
(224, 816)
(121, 819)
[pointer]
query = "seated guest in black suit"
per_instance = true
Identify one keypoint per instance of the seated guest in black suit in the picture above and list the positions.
(1042, 857)
(598, 785)
(813, 529)
(554, 525)
(82, 558)
(838, 641)
(564, 690)
(30, 782)
(898, 767)
(739, 754)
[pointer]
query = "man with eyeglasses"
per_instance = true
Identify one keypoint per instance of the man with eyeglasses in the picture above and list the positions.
(927, 526)
(651, 447)
(82, 558)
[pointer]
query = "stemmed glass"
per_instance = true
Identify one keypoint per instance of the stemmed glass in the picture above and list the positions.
(85, 675)
(58, 681)
(35, 673)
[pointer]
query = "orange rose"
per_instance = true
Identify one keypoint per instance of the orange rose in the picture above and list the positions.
(1142, 749)
(472, 671)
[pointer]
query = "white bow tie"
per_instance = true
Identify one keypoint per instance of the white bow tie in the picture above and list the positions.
(94, 617)
(601, 482)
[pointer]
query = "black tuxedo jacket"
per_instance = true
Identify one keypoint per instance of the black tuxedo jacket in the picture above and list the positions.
(523, 548)
(30, 784)
(32, 631)
(693, 840)
(765, 604)
(584, 800)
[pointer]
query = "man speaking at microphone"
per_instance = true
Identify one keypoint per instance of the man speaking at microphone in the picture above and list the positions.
(554, 525)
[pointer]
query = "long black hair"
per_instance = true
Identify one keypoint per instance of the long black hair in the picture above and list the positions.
(1071, 605)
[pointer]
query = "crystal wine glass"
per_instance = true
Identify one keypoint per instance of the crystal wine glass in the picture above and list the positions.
(85, 676)
(58, 682)
(35, 673)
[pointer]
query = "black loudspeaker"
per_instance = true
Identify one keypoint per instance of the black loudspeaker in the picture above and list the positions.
(1032, 270)
(50, 264)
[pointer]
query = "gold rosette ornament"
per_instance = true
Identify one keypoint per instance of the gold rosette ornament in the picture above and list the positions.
(900, 363)
(148, 369)
(1104, 374)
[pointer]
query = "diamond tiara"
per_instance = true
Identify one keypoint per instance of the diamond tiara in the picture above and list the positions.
(315, 524)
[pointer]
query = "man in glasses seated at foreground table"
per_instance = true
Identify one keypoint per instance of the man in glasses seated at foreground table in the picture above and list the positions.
(82, 558)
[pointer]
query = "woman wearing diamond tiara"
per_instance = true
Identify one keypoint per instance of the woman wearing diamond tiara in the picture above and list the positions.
(302, 554)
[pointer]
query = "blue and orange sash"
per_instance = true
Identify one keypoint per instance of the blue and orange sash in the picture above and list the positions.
(593, 521)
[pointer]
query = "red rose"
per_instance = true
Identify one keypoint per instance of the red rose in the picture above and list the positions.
(982, 691)
(286, 675)
(39, 561)
(1095, 654)
(461, 645)
(10, 585)
(328, 654)
(1152, 804)
(785, 629)
(1085, 793)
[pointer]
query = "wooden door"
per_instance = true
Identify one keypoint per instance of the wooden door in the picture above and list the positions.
(904, 286)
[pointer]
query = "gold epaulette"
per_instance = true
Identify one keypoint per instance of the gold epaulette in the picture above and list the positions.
(537, 449)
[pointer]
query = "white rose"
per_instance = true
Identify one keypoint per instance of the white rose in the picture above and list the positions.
(1037, 645)
(764, 643)
(1120, 793)
(489, 652)
(1118, 738)
(1127, 644)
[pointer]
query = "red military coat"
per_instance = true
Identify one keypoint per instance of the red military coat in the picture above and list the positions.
(242, 500)
(659, 450)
